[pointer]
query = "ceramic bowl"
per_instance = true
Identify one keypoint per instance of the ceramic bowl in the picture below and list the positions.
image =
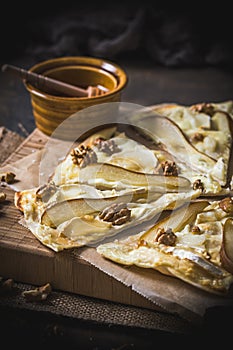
(50, 110)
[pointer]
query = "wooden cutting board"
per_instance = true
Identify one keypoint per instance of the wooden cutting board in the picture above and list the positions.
(25, 259)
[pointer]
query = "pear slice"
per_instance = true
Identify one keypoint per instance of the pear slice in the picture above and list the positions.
(176, 220)
(198, 260)
(106, 174)
(58, 212)
(77, 190)
(226, 252)
(166, 132)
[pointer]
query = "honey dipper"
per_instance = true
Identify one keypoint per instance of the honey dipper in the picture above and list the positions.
(43, 82)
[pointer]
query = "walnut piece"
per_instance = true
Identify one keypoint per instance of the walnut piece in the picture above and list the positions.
(7, 177)
(169, 168)
(226, 205)
(107, 146)
(83, 156)
(117, 214)
(142, 243)
(196, 229)
(2, 197)
(196, 137)
(198, 184)
(6, 285)
(206, 108)
(167, 237)
(38, 294)
(46, 191)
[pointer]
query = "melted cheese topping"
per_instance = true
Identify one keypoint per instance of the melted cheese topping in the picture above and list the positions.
(210, 135)
(132, 156)
(209, 179)
(186, 119)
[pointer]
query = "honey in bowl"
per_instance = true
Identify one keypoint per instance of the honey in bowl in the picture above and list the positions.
(51, 109)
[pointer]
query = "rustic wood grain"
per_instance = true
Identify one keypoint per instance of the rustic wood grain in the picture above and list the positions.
(9, 141)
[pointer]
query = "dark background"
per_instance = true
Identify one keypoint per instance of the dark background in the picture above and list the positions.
(171, 53)
(168, 34)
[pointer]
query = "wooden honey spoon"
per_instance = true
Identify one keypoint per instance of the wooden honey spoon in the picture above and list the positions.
(43, 83)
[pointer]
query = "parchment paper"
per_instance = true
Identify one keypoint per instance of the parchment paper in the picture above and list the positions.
(169, 293)
(35, 169)
(25, 170)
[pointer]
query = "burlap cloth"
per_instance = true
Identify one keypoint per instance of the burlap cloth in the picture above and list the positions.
(97, 311)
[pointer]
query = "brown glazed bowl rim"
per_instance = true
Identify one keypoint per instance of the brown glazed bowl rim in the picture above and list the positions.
(84, 61)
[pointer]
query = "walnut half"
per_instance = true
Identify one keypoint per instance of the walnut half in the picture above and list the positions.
(107, 146)
(7, 177)
(226, 205)
(46, 191)
(167, 237)
(83, 156)
(167, 168)
(198, 184)
(117, 214)
(38, 294)
(204, 107)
